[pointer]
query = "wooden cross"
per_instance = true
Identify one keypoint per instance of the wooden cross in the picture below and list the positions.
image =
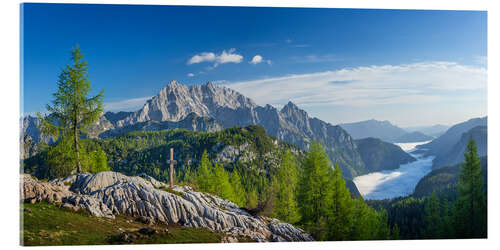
(172, 162)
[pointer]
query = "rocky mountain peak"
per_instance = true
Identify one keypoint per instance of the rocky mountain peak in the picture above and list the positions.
(173, 84)
(291, 110)
(210, 85)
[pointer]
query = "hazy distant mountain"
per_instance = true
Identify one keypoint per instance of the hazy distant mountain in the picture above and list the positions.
(442, 145)
(434, 130)
(413, 137)
(379, 155)
(383, 130)
(455, 155)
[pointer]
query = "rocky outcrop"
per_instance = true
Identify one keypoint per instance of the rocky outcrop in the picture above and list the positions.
(107, 194)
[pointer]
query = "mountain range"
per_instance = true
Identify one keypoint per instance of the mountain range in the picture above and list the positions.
(433, 130)
(449, 147)
(211, 107)
(383, 130)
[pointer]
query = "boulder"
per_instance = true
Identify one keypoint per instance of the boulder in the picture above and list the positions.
(107, 194)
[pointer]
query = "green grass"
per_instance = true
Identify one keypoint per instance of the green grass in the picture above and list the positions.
(47, 224)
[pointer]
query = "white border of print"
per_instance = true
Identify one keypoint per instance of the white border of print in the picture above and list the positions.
(9, 63)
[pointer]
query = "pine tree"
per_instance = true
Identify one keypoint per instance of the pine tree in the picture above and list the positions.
(315, 191)
(470, 208)
(447, 219)
(72, 111)
(286, 183)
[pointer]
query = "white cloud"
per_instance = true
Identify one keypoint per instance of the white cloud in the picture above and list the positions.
(268, 62)
(190, 74)
(229, 57)
(288, 40)
(367, 86)
(203, 57)
(256, 59)
(224, 57)
(126, 105)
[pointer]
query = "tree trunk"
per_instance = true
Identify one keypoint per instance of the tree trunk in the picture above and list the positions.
(79, 165)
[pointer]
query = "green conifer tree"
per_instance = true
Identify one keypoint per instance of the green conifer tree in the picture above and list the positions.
(433, 218)
(340, 219)
(239, 191)
(286, 183)
(315, 191)
(470, 208)
(72, 111)
(205, 176)
(222, 186)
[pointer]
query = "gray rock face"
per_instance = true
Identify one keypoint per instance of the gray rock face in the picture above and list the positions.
(107, 194)
(176, 101)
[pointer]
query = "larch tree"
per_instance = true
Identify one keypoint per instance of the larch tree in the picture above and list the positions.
(315, 191)
(204, 174)
(287, 178)
(72, 110)
(340, 219)
(239, 191)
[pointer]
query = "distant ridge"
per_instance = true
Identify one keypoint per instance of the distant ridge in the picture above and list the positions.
(383, 130)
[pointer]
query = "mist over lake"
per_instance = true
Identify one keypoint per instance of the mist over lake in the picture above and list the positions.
(398, 182)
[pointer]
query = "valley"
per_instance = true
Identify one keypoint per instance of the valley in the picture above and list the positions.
(388, 184)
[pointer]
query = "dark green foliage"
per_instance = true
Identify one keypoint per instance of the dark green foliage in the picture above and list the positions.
(315, 191)
(443, 181)
(327, 210)
(433, 218)
(470, 209)
(379, 155)
(443, 215)
(368, 223)
(409, 215)
(72, 111)
(59, 160)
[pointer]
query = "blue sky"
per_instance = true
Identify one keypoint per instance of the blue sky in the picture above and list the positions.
(341, 65)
